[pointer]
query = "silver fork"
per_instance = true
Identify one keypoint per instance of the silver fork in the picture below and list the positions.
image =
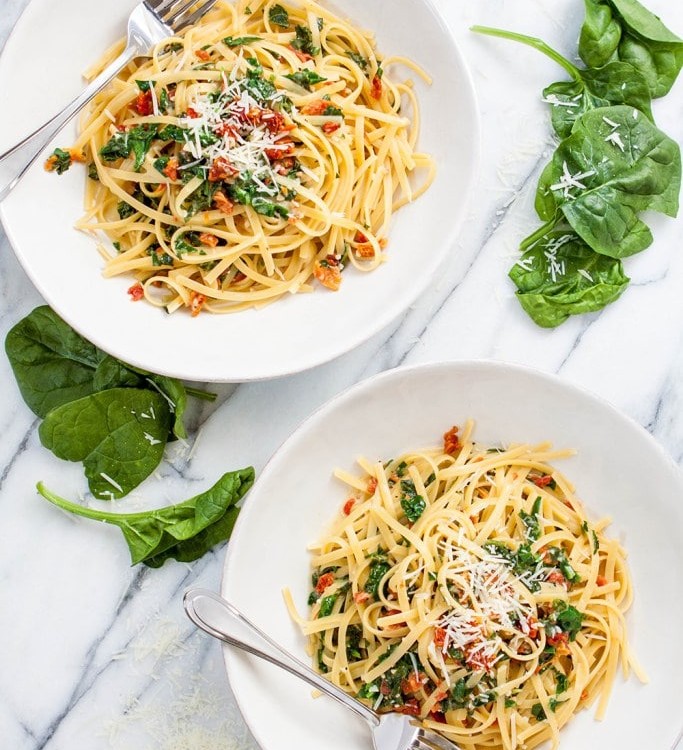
(150, 23)
(389, 731)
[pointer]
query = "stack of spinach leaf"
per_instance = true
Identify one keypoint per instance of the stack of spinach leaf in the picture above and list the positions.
(611, 164)
(117, 419)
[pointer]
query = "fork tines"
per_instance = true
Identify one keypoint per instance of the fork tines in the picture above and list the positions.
(179, 14)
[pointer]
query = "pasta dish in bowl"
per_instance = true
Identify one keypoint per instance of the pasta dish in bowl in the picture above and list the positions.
(504, 586)
(275, 152)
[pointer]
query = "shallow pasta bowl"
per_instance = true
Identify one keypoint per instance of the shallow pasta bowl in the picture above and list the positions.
(291, 335)
(619, 471)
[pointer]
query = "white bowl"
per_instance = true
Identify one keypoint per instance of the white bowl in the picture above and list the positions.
(619, 471)
(291, 335)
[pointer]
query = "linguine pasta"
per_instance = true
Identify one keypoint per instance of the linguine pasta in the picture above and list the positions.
(256, 155)
(465, 585)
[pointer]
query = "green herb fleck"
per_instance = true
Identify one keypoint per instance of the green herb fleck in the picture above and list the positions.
(279, 16)
(240, 41)
(305, 78)
(413, 504)
(361, 61)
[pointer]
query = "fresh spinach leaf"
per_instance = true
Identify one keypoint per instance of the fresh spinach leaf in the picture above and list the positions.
(305, 78)
(119, 435)
(615, 164)
(243, 189)
(523, 561)
(117, 147)
(54, 365)
(600, 34)
(183, 532)
(165, 102)
(112, 373)
(616, 83)
(561, 681)
(125, 210)
(560, 559)
(175, 394)
(161, 163)
(561, 276)
(51, 362)
(642, 40)
(261, 89)
(538, 712)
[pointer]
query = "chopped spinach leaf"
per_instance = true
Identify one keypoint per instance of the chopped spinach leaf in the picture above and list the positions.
(161, 163)
(240, 41)
(136, 140)
(201, 199)
(354, 637)
(303, 41)
(413, 504)
(483, 699)
(361, 61)
(305, 78)
(125, 210)
(562, 682)
(60, 160)
(269, 208)
(172, 133)
(538, 712)
(377, 571)
(531, 521)
(327, 604)
(560, 560)
(279, 16)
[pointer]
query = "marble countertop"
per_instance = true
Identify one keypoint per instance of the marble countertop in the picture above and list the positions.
(98, 655)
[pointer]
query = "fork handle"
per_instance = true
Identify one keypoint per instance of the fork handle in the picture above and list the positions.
(15, 162)
(291, 664)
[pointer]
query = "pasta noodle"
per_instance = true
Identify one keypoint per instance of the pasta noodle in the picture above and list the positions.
(465, 586)
(260, 150)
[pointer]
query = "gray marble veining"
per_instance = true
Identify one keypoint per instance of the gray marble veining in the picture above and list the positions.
(98, 656)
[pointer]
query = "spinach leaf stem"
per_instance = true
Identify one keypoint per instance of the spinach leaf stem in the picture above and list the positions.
(534, 42)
